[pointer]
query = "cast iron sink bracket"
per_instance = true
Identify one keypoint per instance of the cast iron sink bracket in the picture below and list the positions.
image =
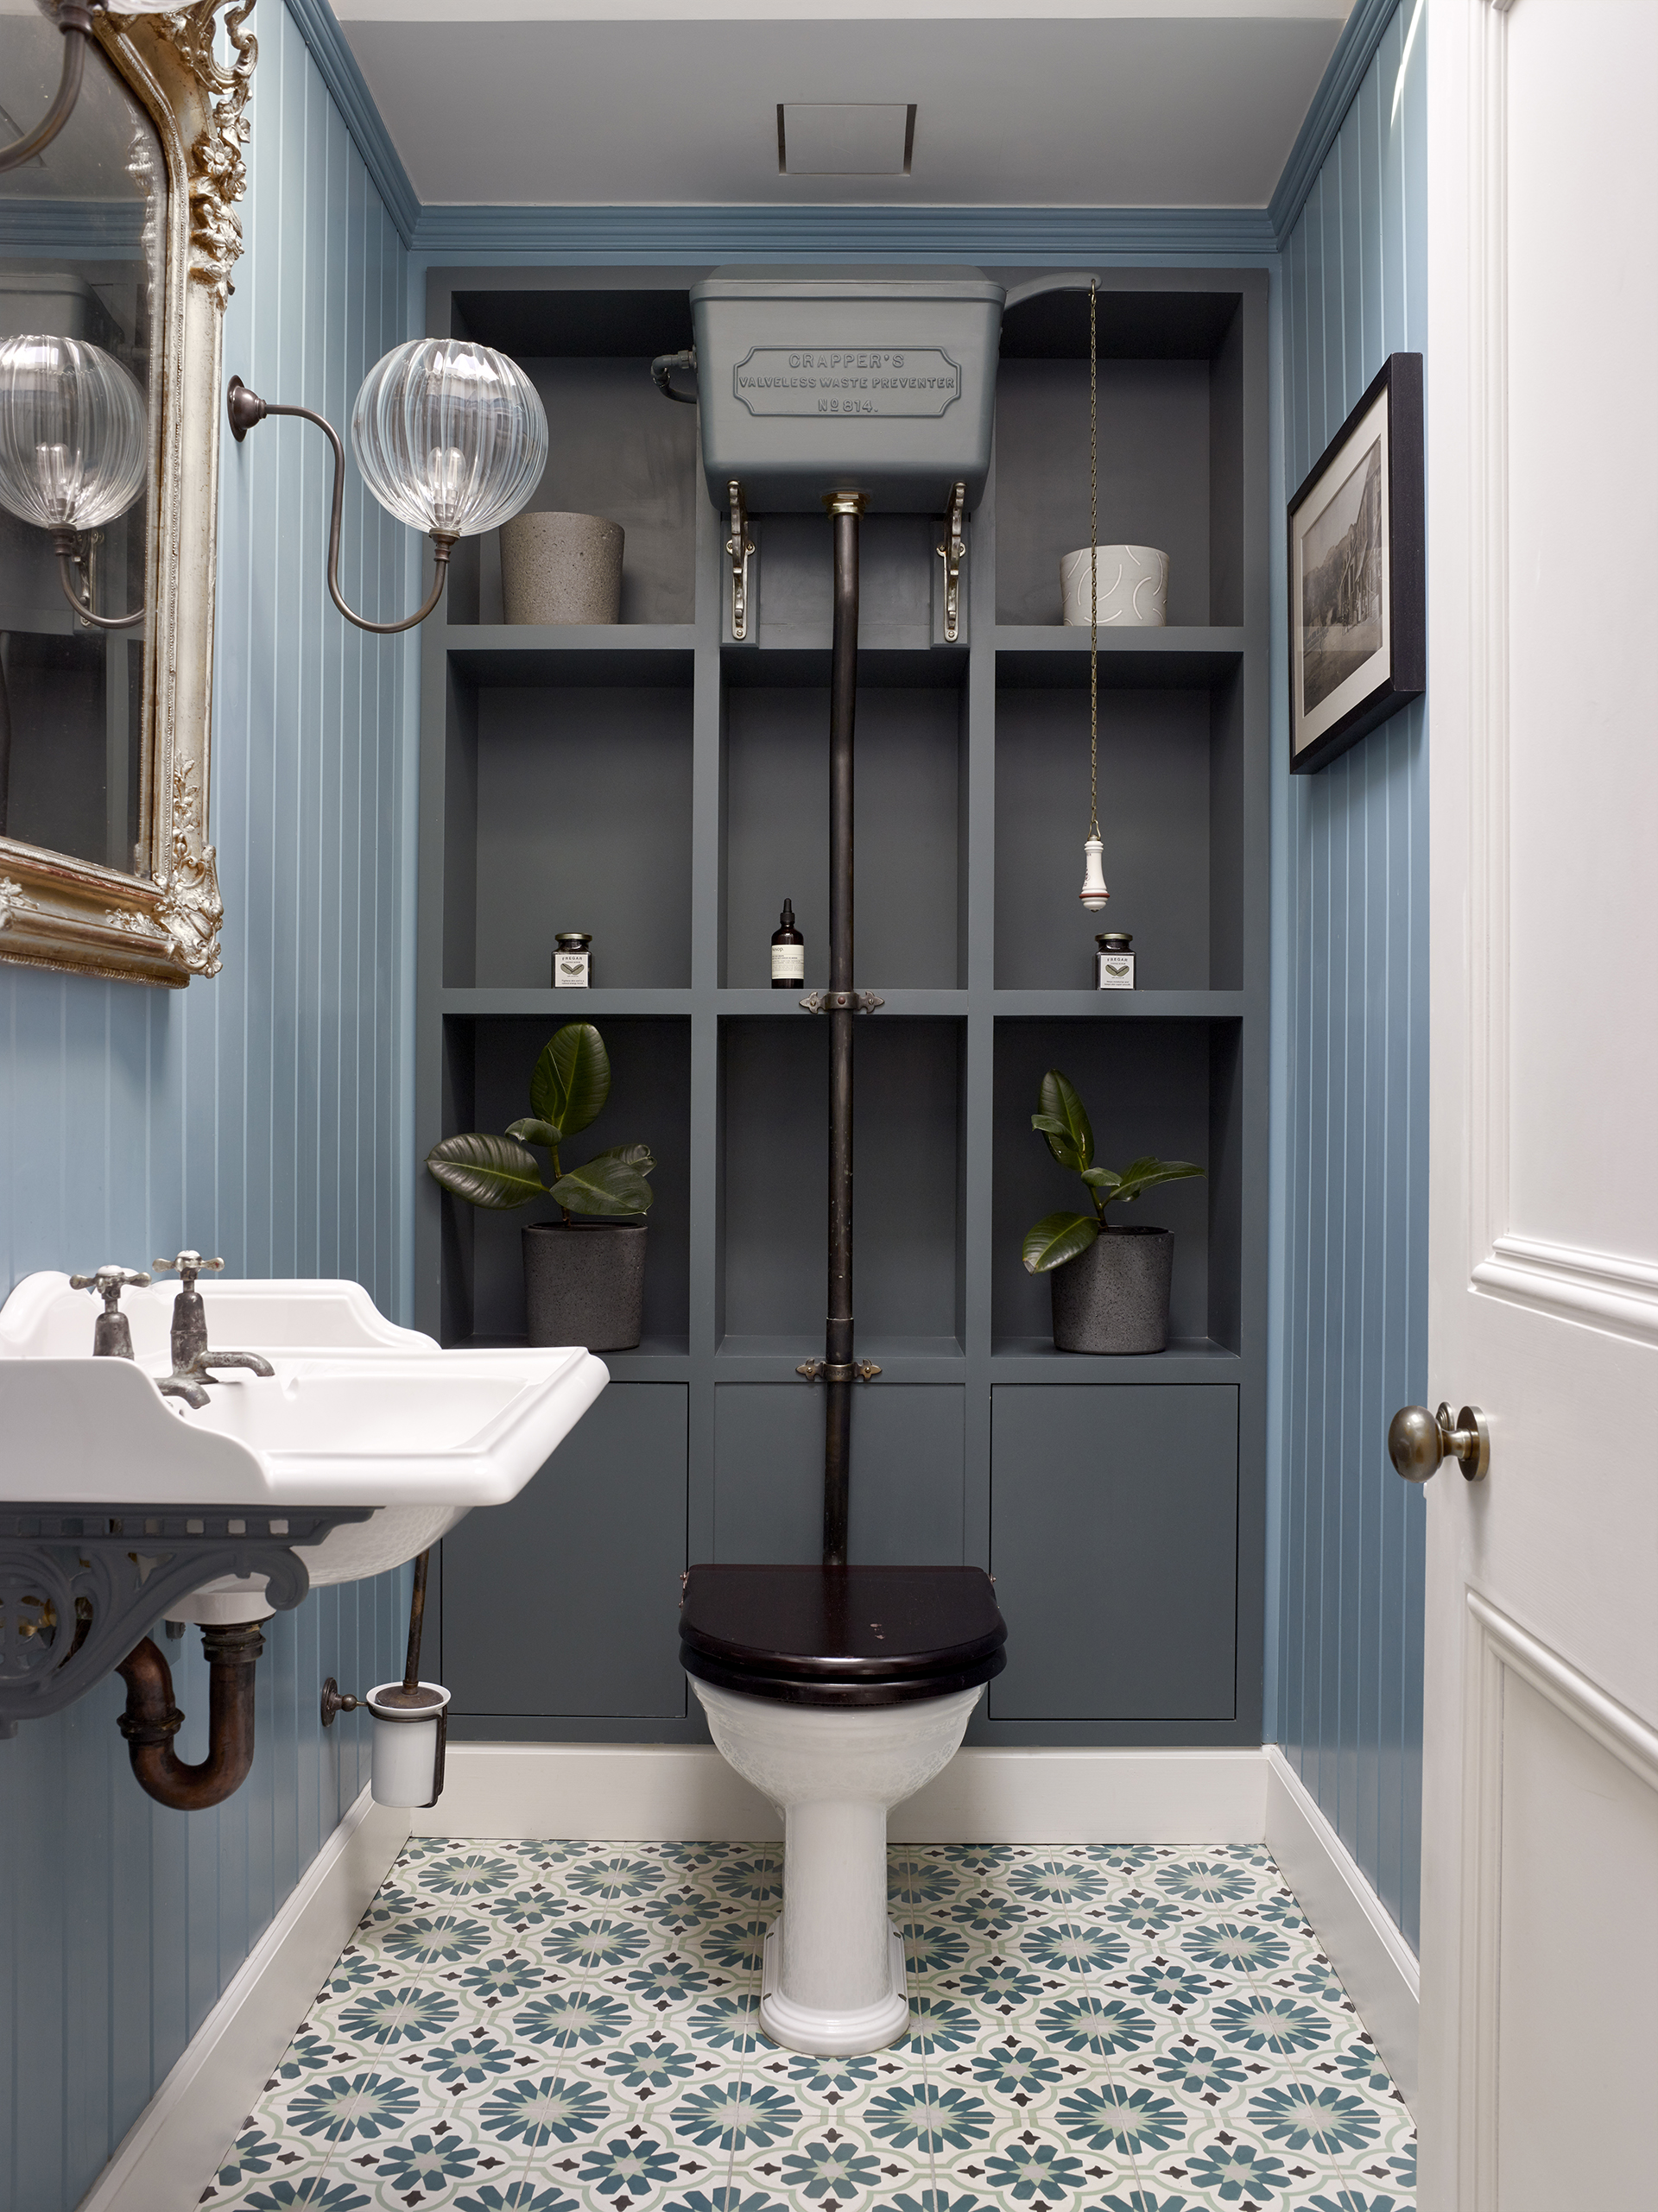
(79, 1588)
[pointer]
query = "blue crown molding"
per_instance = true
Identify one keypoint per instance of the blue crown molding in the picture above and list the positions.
(320, 28)
(111, 228)
(577, 234)
(1361, 34)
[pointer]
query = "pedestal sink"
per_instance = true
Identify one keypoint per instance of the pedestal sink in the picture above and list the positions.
(118, 1505)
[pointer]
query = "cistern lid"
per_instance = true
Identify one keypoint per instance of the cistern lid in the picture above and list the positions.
(842, 1635)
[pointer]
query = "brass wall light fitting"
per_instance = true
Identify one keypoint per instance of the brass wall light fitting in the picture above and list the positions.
(450, 437)
(75, 18)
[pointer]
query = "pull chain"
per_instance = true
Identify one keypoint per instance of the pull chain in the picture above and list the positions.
(1093, 565)
(1094, 894)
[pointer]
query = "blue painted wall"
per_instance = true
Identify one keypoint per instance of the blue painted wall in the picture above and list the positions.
(259, 1115)
(1352, 1211)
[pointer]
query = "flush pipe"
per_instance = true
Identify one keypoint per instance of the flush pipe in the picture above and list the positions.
(844, 509)
(152, 1720)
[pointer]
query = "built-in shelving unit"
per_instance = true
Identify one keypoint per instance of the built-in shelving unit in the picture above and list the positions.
(665, 788)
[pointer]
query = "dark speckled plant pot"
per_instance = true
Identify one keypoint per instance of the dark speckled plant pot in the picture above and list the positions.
(585, 1283)
(1114, 1297)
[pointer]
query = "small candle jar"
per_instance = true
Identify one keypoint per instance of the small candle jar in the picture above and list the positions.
(1114, 962)
(572, 960)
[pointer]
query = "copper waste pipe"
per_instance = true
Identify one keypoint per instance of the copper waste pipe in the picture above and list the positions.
(152, 1720)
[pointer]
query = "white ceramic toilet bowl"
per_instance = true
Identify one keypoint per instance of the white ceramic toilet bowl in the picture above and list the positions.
(834, 1980)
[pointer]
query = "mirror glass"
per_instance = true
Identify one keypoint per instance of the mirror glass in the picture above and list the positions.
(82, 243)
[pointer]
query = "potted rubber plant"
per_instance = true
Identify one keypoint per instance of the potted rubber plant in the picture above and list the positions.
(584, 1273)
(1109, 1279)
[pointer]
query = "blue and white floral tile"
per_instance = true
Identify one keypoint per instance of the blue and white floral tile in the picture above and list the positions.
(552, 2027)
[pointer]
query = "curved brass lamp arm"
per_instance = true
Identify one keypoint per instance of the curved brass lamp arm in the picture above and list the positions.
(75, 18)
(68, 543)
(245, 408)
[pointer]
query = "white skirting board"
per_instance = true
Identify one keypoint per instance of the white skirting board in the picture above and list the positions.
(172, 2149)
(1376, 1964)
(664, 1793)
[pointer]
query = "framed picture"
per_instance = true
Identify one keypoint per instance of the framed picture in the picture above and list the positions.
(1358, 602)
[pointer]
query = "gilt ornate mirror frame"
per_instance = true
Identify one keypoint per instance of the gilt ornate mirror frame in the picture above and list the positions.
(162, 926)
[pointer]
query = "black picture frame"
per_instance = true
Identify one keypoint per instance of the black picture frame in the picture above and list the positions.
(1358, 560)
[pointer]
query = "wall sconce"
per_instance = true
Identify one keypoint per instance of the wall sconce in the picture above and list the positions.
(450, 437)
(75, 18)
(73, 448)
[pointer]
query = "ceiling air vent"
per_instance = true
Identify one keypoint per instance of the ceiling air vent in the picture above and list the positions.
(848, 139)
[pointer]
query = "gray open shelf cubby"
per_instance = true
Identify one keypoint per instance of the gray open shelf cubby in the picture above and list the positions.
(666, 789)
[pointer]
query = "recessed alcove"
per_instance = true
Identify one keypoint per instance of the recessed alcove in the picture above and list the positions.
(906, 1200)
(909, 917)
(1170, 445)
(614, 448)
(1170, 1088)
(666, 788)
(488, 1062)
(568, 806)
(1170, 812)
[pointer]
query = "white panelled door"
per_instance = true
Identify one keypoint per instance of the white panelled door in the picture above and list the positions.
(1539, 1881)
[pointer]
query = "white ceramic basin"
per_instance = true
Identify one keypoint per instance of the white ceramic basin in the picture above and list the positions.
(359, 1413)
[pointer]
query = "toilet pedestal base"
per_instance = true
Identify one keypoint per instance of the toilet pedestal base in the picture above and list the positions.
(833, 2035)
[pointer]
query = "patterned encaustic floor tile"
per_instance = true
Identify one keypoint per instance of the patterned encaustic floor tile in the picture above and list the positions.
(574, 2027)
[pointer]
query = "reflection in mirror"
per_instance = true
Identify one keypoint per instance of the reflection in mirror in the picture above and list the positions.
(82, 232)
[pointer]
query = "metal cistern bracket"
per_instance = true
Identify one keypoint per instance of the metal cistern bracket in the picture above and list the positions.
(952, 552)
(740, 546)
(839, 1370)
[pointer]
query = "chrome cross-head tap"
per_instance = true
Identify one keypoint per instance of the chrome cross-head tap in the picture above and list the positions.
(112, 1333)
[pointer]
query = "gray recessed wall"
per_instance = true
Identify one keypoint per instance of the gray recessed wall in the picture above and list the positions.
(673, 785)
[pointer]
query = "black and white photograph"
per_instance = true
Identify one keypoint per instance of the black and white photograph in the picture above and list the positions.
(1356, 571)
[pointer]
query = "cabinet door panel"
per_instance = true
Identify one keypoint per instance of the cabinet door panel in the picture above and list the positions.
(566, 1600)
(1114, 1545)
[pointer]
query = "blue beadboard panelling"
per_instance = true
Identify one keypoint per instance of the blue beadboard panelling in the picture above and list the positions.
(1349, 1568)
(260, 1115)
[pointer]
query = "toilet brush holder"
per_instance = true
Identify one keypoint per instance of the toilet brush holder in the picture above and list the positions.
(411, 1730)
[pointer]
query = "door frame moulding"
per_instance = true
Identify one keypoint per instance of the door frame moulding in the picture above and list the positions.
(172, 2149)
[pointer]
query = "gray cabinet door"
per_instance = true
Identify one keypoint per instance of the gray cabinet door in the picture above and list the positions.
(1114, 1545)
(566, 1602)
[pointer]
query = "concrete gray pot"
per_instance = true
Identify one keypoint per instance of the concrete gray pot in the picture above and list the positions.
(1114, 1297)
(585, 1283)
(561, 568)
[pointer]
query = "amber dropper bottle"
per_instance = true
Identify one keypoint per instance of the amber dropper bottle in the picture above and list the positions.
(787, 951)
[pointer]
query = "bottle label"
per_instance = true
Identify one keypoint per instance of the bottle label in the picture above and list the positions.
(570, 970)
(788, 963)
(1114, 971)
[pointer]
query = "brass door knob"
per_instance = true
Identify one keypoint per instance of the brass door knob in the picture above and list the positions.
(1419, 1440)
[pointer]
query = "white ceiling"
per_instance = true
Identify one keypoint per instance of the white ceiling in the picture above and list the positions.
(1065, 103)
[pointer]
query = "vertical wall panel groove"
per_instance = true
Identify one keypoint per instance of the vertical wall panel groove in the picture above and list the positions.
(257, 1116)
(1351, 1533)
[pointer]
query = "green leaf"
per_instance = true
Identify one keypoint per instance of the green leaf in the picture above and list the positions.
(1057, 1238)
(1101, 1178)
(530, 1131)
(1064, 1121)
(606, 1186)
(634, 1155)
(1145, 1173)
(572, 1079)
(486, 1171)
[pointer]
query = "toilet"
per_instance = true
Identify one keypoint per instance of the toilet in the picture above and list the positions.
(837, 1691)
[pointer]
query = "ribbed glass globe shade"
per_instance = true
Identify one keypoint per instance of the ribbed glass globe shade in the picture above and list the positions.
(74, 450)
(449, 435)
